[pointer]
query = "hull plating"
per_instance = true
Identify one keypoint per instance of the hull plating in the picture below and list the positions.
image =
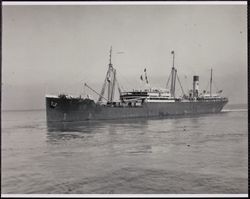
(74, 110)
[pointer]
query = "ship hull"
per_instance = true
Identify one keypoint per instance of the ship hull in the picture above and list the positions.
(67, 110)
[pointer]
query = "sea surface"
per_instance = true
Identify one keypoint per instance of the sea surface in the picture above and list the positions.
(205, 154)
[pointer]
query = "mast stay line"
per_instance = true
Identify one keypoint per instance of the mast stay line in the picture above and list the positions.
(85, 84)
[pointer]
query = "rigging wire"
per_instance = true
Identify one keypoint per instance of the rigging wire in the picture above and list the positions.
(168, 80)
(84, 91)
(207, 86)
(215, 86)
(118, 86)
(180, 84)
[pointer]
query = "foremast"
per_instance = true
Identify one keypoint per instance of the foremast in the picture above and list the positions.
(110, 82)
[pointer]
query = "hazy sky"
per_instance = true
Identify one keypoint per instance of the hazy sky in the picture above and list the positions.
(55, 49)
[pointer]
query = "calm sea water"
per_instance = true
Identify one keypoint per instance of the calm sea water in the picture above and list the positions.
(200, 154)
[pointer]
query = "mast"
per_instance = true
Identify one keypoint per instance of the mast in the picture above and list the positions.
(173, 58)
(211, 82)
(110, 78)
(109, 81)
(113, 86)
(110, 56)
(173, 77)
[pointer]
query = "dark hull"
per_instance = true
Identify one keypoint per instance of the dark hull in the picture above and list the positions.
(58, 109)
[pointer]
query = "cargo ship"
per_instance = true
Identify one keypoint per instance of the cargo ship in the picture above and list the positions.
(148, 102)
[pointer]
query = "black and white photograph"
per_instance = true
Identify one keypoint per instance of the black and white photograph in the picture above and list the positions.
(114, 99)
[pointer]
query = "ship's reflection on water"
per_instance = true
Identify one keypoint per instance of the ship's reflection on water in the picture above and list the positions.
(86, 129)
(89, 126)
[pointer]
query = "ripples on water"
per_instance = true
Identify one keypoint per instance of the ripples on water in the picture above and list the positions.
(200, 154)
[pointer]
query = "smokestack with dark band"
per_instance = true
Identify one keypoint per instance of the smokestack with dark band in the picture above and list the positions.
(195, 86)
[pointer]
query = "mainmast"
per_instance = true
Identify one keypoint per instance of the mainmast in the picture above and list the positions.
(109, 78)
(173, 77)
(211, 82)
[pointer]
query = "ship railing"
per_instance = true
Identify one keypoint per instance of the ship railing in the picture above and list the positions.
(203, 99)
(123, 104)
(214, 99)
